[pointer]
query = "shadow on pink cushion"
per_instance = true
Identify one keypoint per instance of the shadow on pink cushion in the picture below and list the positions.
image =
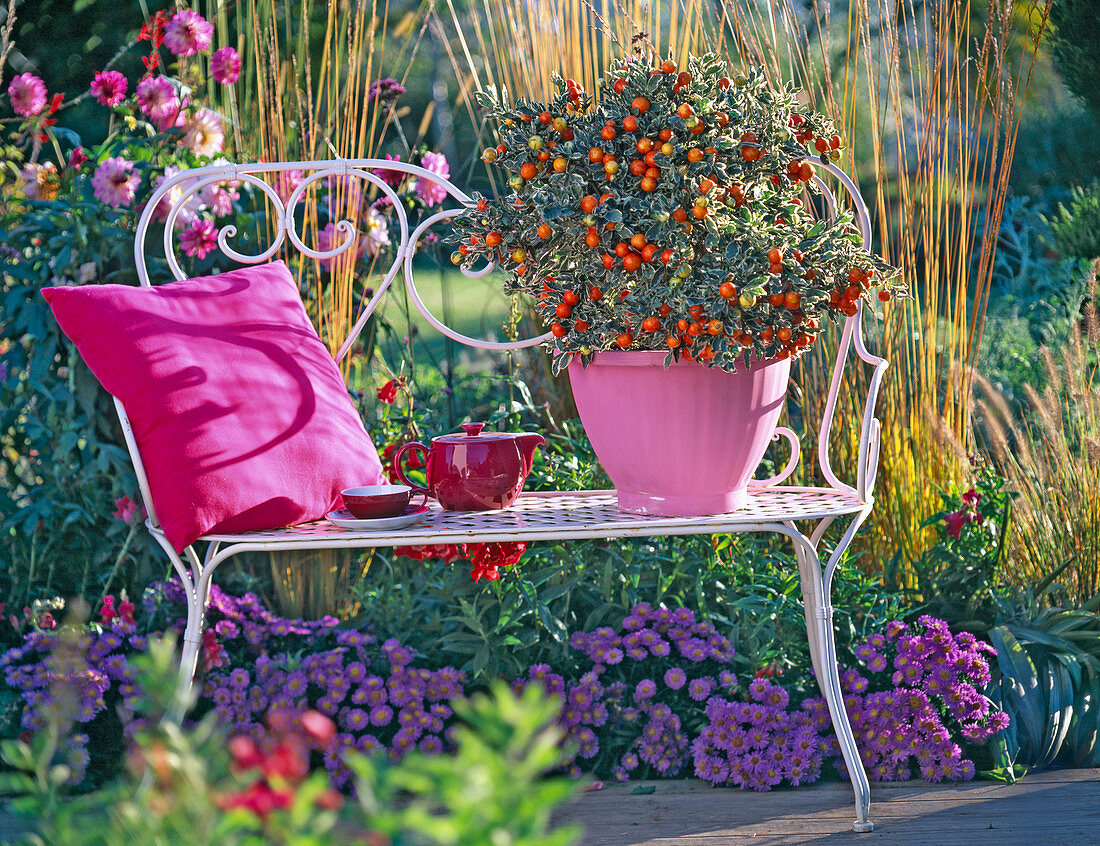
(241, 417)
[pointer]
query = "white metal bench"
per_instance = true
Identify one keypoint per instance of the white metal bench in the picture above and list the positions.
(536, 516)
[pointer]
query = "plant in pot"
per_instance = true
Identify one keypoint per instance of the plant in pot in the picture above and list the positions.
(668, 235)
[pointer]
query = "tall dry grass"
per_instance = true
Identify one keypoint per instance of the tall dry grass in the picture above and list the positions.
(929, 96)
(303, 95)
(1052, 460)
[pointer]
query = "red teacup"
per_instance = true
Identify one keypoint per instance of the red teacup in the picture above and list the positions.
(376, 502)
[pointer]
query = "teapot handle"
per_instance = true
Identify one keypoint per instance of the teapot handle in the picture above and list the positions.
(398, 471)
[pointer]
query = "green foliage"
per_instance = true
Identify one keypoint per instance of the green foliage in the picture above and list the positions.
(1049, 661)
(957, 577)
(180, 787)
(1076, 227)
(491, 791)
(1075, 44)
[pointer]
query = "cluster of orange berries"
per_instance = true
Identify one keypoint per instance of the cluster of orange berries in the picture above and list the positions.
(849, 289)
(825, 146)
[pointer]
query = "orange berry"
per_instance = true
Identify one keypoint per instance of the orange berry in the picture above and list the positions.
(528, 170)
(545, 231)
(638, 241)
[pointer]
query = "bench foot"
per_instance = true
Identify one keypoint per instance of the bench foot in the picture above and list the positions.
(817, 589)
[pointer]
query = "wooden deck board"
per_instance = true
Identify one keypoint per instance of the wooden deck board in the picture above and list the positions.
(1045, 809)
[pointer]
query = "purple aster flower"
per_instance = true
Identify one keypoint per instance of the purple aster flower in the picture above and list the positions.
(645, 689)
(699, 689)
(675, 678)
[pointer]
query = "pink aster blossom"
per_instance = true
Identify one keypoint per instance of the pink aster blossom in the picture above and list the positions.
(200, 238)
(188, 33)
(28, 94)
(430, 192)
(157, 98)
(115, 182)
(109, 87)
(203, 134)
(225, 66)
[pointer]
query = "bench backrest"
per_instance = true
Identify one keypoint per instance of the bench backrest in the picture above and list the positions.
(178, 190)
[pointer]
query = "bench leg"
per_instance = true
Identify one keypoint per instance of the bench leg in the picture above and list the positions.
(819, 626)
(195, 578)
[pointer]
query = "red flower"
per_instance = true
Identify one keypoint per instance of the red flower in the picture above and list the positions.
(126, 610)
(487, 558)
(448, 552)
(246, 754)
(260, 798)
(388, 392)
(107, 612)
(955, 521)
(211, 651)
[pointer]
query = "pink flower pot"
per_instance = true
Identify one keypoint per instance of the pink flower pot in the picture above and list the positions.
(679, 442)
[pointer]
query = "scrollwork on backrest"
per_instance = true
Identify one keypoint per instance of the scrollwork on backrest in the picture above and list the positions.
(180, 189)
(867, 462)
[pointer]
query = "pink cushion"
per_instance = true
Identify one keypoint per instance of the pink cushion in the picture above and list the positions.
(241, 417)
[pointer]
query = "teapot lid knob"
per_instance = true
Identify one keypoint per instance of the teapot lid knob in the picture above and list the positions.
(472, 430)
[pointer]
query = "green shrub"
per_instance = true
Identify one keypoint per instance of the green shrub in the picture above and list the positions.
(1076, 227)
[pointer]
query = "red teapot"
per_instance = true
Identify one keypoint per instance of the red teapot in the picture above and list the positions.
(473, 471)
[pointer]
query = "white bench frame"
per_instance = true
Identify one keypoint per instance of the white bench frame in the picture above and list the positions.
(537, 516)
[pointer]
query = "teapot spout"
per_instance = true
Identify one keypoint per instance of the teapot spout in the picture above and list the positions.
(527, 442)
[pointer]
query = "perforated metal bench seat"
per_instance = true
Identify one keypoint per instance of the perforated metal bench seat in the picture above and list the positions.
(565, 515)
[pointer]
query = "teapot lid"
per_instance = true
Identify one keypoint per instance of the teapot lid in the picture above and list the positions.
(471, 432)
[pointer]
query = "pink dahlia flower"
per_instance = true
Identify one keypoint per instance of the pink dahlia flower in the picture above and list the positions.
(200, 238)
(109, 87)
(225, 66)
(203, 134)
(188, 33)
(28, 94)
(430, 192)
(115, 182)
(157, 98)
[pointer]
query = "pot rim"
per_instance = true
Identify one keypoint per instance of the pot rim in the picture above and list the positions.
(650, 358)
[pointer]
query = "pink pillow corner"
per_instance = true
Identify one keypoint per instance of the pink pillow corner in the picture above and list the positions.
(250, 425)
